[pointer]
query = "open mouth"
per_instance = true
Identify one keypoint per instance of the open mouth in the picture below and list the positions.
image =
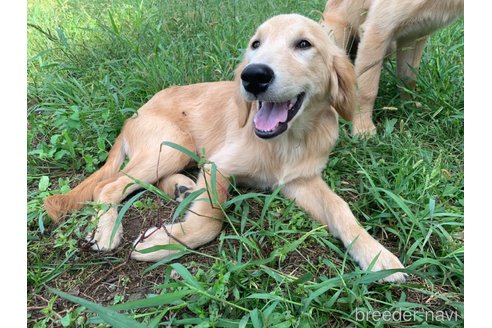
(272, 117)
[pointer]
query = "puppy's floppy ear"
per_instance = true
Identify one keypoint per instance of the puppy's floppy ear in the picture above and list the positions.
(243, 106)
(343, 86)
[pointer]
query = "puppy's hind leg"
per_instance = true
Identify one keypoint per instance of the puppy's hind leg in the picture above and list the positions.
(201, 225)
(143, 166)
(177, 186)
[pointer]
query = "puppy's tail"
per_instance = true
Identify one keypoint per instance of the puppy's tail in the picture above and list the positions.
(58, 205)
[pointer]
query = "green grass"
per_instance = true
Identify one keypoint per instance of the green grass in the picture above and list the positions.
(91, 64)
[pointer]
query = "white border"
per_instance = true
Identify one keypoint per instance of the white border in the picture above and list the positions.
(13, 154)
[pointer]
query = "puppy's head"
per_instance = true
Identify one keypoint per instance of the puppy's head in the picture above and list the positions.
(293, 68)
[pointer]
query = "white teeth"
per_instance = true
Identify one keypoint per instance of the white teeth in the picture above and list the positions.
(290, 105)
(292, 102)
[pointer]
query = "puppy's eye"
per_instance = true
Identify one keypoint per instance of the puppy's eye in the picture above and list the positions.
(255, 44)
(303, 44)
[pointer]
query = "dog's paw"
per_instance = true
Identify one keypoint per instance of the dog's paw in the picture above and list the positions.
(386, 260)
(177, 186)
(152, 237)
(181, 192)
(363, 127)
(101, 239)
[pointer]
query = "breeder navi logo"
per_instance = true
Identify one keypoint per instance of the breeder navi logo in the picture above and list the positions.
(417, 315)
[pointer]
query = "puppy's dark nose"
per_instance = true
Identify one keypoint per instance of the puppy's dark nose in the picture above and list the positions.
(256, 78)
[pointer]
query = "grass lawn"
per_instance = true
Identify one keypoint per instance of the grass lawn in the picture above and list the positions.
(91, 64)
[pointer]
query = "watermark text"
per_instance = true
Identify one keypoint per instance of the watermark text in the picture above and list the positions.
(415, 315)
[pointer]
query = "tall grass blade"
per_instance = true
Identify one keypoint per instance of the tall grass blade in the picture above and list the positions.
(108, 315)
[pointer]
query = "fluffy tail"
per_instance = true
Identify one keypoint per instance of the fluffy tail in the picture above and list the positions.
(58, 205)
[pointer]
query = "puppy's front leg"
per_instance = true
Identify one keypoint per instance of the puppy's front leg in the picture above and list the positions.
(328, 208)
(370, 55)
(408, 58)
(202, 222)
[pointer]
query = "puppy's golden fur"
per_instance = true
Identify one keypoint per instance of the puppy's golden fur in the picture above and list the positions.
(222, 118)
(380, 26)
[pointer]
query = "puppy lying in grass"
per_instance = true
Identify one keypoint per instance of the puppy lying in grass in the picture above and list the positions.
(274, 125)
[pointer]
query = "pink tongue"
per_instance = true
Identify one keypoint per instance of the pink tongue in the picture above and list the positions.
(270, 115)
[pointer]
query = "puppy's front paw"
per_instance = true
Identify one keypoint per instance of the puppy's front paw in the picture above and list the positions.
(388, 260)
(152, 237)
(365, 254)
(101, 240)
(363, 127)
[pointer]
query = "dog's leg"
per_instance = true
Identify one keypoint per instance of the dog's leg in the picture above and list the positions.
(143, 167)
(408, 58)
(341, 31)
(373, 46)
(202, 222)
(177, 186)
(328, 208)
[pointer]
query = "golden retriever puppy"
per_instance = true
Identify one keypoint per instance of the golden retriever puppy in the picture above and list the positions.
(274, 125)
(376, 27)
